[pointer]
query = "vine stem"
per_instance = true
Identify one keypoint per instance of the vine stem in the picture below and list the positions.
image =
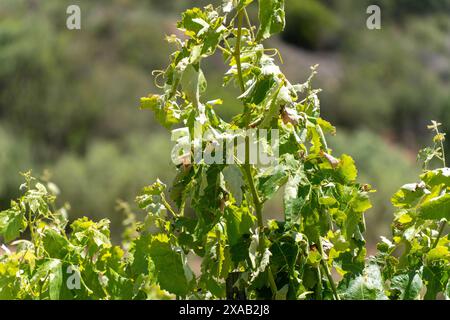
(237, 50)
(258, 209)
(247, 18)
(168, 207)
(256, 201)
(443, 224)
(247, 166)
(443, 153)
(327, 272)
(441, 231)
(31, 226)
(272, 283)
(330, 279)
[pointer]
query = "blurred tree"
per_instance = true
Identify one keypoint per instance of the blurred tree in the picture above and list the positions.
(393, 81)
(311, 25)
(15, 157)
(110, 171)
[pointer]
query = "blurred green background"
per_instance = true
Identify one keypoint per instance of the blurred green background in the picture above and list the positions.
(68, 99)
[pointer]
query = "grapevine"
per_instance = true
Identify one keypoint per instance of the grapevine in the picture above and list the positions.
(214, 212)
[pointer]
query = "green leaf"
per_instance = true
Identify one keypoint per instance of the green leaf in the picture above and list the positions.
(282, 293)
(314, 257)
(207, 199)
(347, 169)
(408, 285)
(151, 102)
(8, 289)
(367, 286)
(271, 181)
(55, 244)
(295, 196)
(180, 185)
(166, 112)
(437, 177)
(150, 199)
(259, 90)
(271, 18)
(119, 287)
(94, 235)
(385, 245)
(190, 82)
(259, 260)
(435, 209)
(12, 223)
(408, 195)
(55, 279)
(234, 181)
(273, 109)
(239, 222)
(141, 249)
(285, 252)
(432, 276)
(447, 291)
(51, 271)
(439, 253)
(360, 202)
(190, 21)
(172, 272)
(327, 201)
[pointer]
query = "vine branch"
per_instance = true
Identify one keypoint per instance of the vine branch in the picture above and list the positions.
(237, 52)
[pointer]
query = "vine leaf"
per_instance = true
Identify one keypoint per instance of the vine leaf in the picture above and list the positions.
(12, 223)
(447, 291)
(234, 181)
(436, 209)
(172, 272)
(409, 195)
(52, 272)
(271, 18)
(271, 181)
(347, 169)
(437, 177)
(239, 222)
(367, 286)
(55, 244)
(409, 285)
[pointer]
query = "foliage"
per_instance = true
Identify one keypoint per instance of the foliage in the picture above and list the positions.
(215, 211)
(243, 255)
(53, 264)
(375, 155)
(422, 269)
(323, 217)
